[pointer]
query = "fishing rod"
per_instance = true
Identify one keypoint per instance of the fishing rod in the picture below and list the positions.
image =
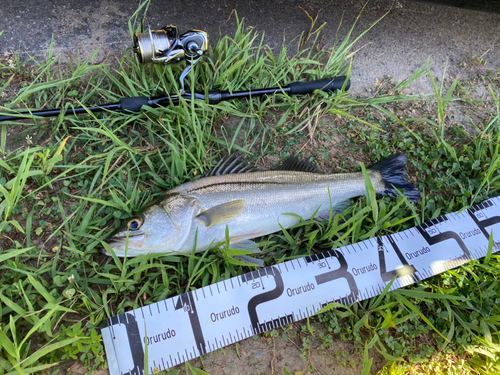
(167, 46)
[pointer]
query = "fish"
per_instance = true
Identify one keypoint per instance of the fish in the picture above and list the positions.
(249, 203)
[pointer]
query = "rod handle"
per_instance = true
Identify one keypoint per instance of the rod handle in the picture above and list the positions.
(133, 104)
(328, 84)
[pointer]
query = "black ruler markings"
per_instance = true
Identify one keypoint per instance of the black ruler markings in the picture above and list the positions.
(431, 232)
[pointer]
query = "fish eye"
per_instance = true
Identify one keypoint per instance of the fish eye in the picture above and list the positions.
(134, 223)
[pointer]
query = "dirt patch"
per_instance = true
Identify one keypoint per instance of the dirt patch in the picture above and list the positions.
(77, 368)
(259, 355)
(270, 355)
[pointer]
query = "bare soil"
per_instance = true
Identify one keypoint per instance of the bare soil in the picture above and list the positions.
(262, 355)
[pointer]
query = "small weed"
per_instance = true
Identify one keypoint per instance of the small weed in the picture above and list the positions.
(89, 350)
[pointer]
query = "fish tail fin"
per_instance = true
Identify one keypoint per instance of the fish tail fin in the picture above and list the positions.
(393, 172)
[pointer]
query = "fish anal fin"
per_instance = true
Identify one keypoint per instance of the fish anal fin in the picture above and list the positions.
(222, 213)
(245, 238)
(337, 208)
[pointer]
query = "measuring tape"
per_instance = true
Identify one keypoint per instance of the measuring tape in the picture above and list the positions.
(185, 327)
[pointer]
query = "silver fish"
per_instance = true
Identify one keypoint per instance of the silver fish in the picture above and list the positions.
(250, 204)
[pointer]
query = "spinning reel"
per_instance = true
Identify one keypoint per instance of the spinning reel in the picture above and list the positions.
(167, 46)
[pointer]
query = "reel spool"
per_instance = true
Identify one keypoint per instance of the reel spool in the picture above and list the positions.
(166, 46)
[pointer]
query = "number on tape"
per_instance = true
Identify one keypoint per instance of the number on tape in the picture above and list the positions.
(195, 323)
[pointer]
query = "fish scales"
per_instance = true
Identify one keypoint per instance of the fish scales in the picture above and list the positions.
(281, 190)
(269, 196)
(250, 205)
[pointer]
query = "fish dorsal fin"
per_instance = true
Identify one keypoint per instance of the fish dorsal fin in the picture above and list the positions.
(229, 164)
(300, 165)
(222, 213)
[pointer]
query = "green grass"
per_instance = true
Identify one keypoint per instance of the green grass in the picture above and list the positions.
(66, 182)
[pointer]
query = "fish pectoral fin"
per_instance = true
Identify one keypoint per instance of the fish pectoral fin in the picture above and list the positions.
(337, 208)
(222, 213)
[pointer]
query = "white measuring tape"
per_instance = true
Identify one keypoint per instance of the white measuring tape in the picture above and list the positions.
(195, 323)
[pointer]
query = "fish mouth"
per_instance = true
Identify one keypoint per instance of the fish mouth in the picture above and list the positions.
(136, 241)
